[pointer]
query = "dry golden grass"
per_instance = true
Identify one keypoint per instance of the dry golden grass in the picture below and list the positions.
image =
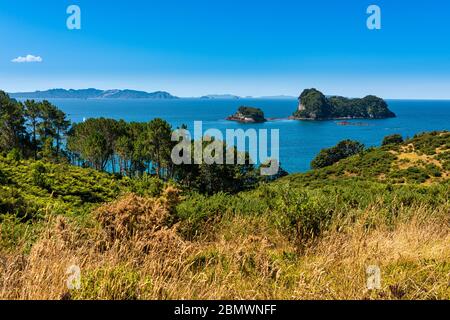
(133, 253)
(407, 158)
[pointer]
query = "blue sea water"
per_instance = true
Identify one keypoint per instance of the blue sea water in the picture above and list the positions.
(300, 141)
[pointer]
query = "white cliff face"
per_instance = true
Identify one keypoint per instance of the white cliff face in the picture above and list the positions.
(301, 107)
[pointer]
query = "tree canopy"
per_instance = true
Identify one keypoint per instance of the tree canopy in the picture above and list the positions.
(39, 130)
(244, 113)
(31, 128)
(342, 150)
(392, 139)
(317, 106)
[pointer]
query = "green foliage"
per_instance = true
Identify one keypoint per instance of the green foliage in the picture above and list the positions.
(29, 126)
(93, 141)
(146, 185)
(249, 112)
(114, 283)
(445, 158)
(14, 155)
(31, 190)
(17, 232)
(410, 175)
(317, 106)
(342, 150)
(12, 202)
(12, 124)
(347, 179)
(214, 178)
(303, 211)
(428, 142)
(392, 139)
(302, 214)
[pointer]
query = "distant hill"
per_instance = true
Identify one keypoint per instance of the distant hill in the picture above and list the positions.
(92, 94)
(280, 97)
(221, 96)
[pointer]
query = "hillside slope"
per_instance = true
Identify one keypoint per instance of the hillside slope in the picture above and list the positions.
(305, 236)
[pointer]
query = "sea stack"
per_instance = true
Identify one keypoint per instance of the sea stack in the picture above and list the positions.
(314, 105)
(248, 115)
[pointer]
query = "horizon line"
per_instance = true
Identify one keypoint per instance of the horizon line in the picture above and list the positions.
(240, 97)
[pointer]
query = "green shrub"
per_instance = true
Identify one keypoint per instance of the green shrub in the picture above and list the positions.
(433, 170)
(12, 202)
(410, 175)
(392, 140)
(342, 150)
(146, 185)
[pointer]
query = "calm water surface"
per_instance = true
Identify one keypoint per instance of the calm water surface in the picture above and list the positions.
(300, 141)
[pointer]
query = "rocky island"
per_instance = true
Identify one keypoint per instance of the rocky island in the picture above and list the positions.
(248, 115)
(314, 105)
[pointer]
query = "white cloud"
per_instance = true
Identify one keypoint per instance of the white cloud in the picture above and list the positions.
(27, 59)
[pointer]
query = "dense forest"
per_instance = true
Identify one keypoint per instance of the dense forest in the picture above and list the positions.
(41, 131)
(316, 106)
(142, 229)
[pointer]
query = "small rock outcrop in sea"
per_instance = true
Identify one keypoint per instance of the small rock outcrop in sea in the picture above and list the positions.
(314, 105)
(248, 115)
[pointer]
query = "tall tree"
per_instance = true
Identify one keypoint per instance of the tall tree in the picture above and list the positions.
(48, 115)
(13, 134)
(93, 141)
(158, 143)
(61, 125)
(33, 112)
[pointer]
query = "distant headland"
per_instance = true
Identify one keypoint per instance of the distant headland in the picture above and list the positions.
(92, 94)
(248, 115)
(314, 105)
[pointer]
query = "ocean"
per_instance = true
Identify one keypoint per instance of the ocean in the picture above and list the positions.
(300, 141)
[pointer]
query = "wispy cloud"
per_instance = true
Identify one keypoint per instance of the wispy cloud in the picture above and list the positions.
(27, 59)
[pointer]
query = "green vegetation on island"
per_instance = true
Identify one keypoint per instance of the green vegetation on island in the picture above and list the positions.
(248, 115)
(314, 105)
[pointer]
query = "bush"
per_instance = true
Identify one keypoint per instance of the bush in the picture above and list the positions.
(303, 215)
(392, 140)
(410, 175)
(40, 178)
(146, 185)
(342, 150)
(12, 202)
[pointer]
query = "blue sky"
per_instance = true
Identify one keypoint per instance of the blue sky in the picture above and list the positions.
(197, 47)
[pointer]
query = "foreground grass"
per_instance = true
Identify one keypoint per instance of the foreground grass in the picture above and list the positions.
(309, 236)
(241, 257)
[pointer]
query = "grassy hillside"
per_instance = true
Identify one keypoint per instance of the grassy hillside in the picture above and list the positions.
(305, 236)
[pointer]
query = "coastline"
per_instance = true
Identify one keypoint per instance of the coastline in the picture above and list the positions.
(293, 118)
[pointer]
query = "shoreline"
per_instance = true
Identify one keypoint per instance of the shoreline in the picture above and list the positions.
(292, 118)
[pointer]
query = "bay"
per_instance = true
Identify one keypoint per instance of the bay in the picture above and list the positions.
(300, 141)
